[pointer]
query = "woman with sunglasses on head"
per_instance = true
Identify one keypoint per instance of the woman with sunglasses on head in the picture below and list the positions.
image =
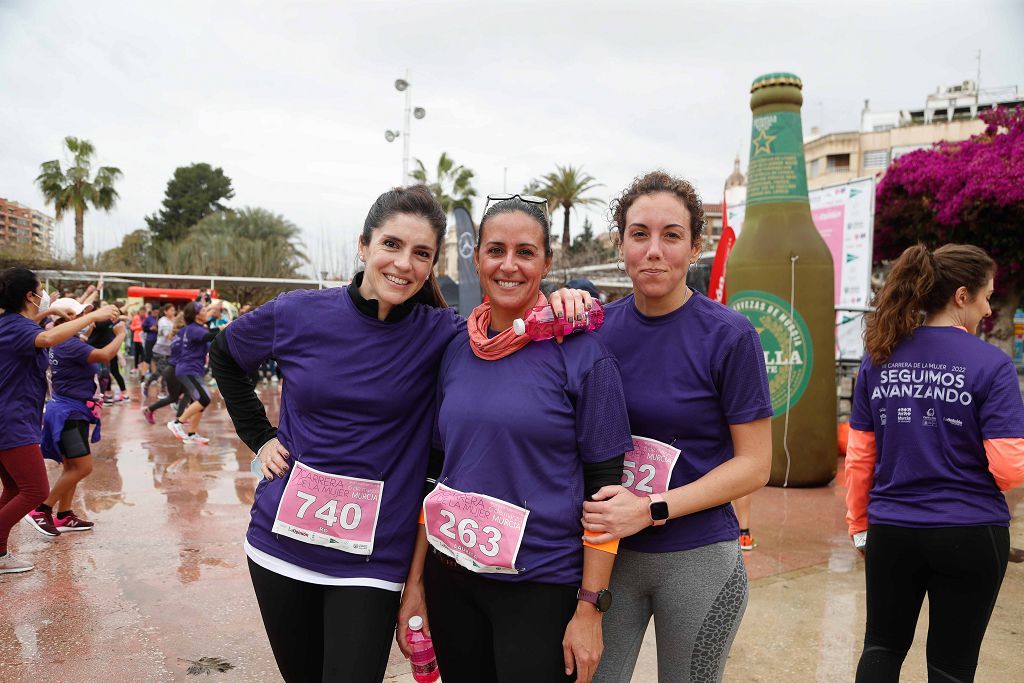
(334, 520)
(525, 431)
(23, 366)
(936, 432)
(699, 406)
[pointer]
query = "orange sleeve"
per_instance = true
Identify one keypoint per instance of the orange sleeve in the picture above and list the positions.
(860, 472)
(1006, 462)
(609, 547)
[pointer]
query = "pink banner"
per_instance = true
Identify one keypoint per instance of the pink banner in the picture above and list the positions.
(830, 221)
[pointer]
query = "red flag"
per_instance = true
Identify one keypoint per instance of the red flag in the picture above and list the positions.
(716, 287)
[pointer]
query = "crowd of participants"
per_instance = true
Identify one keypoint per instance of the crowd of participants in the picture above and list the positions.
(449, 469)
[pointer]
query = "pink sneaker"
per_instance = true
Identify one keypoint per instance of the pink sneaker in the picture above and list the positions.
(196, 439)
(43, 523)
(72, 523)
(148, 414)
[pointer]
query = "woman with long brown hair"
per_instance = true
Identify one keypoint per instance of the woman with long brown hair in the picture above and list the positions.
(937, 431)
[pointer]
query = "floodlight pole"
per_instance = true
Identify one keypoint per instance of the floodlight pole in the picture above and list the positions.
(406, 133)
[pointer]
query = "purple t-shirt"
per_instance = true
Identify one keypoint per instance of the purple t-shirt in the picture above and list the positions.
(149, 328)
(71, 373)
(22, 382)
(931, 405)
(358, 401)
(192, 356)
(175, 353)
(688, 376)
(520, 428)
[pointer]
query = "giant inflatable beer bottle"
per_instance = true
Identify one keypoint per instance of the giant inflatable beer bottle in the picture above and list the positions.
(780, 275)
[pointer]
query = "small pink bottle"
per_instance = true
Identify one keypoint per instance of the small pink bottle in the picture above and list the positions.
(540, 323)
(424, 664)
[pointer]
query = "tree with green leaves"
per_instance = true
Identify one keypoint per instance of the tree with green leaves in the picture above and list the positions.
(452, 184)
(250, 242)
(195, 191)
(76, 189)
(565, 189)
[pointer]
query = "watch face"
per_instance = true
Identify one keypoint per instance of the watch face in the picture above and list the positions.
(659, 510)
(604, 600)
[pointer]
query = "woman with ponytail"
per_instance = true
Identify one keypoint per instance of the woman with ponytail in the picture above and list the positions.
(334, 519)
(937, 432)
(23, 363)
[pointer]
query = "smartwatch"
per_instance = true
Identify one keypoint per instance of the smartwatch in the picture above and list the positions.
(602, 599)
(659, 509)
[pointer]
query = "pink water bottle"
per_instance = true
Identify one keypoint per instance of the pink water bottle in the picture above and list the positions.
(424, 664)
(540, 323)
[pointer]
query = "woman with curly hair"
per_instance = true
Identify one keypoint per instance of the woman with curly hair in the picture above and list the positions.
(700, 412)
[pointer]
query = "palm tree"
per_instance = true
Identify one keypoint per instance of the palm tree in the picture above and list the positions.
(249, 242)
(74, 189)
(452, 185)
(565, 189)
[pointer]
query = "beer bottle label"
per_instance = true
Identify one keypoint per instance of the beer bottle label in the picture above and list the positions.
(788, 352)
(777, 172)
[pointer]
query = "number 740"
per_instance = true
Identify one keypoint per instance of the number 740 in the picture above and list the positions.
(349, 519)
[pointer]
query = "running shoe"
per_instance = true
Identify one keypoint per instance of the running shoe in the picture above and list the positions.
(148, 414)
(43, 523)
(177, 429)
(73, 523)
(196, 439)
(108, 400)
(125, 398)
(9, 564)
(747, 542)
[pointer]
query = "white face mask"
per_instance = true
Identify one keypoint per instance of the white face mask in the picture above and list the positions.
(44, 301)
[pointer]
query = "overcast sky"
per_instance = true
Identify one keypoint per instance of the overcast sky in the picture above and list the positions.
(292, 98)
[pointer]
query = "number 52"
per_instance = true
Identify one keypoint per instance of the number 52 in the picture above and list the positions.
(647, 473)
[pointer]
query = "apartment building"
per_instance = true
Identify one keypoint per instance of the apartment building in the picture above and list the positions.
(25, 226)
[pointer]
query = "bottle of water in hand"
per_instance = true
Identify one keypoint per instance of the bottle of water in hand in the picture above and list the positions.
(541, 323)
(424, 664)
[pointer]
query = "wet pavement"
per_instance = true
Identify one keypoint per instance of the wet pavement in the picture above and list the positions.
(162, 579)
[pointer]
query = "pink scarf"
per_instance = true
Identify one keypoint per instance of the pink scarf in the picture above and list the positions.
(504, 344)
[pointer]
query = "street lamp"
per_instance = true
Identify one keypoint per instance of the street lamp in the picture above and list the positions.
(403, 85)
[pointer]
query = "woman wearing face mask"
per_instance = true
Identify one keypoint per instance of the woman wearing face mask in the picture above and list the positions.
(699, 407)
(23, 366)
(936, 432)
(527, 430)
(334, 519)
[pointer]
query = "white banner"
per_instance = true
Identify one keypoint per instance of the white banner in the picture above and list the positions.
(845, 217)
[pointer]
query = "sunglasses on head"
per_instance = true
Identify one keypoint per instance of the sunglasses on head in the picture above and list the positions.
(528, 198)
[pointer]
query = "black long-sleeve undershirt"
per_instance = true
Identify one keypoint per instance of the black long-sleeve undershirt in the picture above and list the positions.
(245, 408)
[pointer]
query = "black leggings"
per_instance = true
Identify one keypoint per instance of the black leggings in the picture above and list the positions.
(488, 630)
(960, 569)
(326, 633)
(115, 372)
(175, 392)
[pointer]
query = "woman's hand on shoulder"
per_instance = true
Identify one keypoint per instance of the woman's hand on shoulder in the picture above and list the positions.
(571, 304)
(614, 512)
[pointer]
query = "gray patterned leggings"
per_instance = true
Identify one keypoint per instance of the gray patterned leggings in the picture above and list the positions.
(697, 598)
